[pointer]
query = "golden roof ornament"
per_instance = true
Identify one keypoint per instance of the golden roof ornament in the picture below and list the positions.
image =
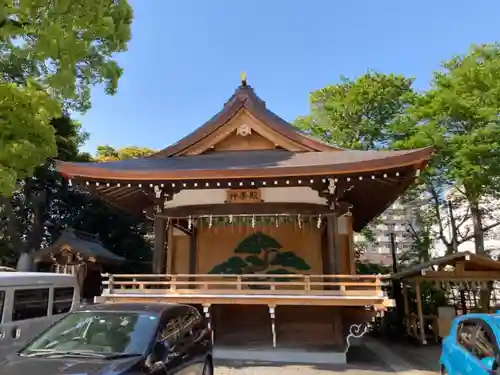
(243, 77)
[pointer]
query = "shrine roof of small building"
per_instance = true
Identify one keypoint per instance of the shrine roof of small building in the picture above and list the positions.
(76, 241)
(246, 164)
(471, 261)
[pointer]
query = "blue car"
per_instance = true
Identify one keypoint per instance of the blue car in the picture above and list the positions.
(472, 346)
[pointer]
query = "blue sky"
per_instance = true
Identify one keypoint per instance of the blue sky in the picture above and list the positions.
(186, 56)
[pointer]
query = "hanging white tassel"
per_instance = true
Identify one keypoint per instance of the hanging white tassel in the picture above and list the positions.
(319, 221)
(230, 219)
(299, 221)
(190, 222)
(253, 221)
(210, 221)
(70, 183)
(277, 221)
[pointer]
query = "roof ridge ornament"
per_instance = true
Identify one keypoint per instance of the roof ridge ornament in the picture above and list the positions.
(243, 77)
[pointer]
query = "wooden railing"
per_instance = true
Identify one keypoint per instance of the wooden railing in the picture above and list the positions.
(269, 284)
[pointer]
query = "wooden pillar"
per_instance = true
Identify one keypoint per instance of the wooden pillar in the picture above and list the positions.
(420, 313)
(206, 311)
(160, 224)
(406, 308)
(333, 244)
(272, 315)
(170, 249)
(193, 239)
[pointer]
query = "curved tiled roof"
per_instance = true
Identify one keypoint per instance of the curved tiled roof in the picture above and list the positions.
(246, 164)
(245, 97)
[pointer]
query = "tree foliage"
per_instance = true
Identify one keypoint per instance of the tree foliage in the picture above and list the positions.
(108, 153)
(459, 116)
(51, 54)
(361, 114)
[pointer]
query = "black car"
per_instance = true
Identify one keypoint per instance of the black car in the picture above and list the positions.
(119, 339)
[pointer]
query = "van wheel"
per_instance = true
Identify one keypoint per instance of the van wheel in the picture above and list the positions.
(208, 368)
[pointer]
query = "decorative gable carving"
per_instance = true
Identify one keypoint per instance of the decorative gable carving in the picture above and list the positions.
(243, 133)
(243, 130)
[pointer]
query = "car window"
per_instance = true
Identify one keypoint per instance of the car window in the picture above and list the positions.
(170, 331)
(63, 300)
(188, 320)
(99, 332)
(484, 344)
(30, 303)
(466, 334)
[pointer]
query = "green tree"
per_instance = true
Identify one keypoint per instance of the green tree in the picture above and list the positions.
(459, 116)
(108, 153)
(51, 54)
(27, 213)
(360, 114)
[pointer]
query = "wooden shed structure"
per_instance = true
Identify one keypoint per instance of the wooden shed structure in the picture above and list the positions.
(461, 276)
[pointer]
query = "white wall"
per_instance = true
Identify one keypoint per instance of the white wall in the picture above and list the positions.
(269, 195)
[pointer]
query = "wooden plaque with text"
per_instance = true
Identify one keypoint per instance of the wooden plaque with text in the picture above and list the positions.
(243, 196)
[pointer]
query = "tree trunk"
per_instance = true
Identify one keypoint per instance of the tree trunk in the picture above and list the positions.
(477, 226)
(35, 237)
(12, 226)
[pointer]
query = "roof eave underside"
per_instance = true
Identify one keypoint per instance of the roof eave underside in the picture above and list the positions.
(133, 199)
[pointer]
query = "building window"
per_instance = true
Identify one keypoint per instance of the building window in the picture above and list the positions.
(30, 304)
(63, 300)
(391, 228)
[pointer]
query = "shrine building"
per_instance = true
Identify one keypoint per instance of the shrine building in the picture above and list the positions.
(254, 223)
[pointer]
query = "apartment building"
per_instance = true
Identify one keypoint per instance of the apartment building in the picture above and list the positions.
(395, 219)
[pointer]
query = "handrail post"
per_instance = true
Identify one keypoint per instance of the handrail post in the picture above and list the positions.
(378, 285)
(307, 283)
(173, 280)
(110, 284)
(238, 282)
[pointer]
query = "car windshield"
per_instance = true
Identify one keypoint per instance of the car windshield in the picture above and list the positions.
(97, 332)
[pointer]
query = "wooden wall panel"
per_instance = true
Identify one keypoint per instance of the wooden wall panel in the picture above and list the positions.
(217, 244)
(180, 257)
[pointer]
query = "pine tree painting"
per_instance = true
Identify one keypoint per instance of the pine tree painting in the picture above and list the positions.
(261, 254)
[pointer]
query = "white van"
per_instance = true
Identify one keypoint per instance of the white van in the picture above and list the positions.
(30, 302)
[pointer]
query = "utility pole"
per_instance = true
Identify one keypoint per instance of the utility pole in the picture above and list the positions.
(396, 284)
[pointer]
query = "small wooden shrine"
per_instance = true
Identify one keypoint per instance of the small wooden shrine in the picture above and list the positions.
(460, 277)
(73, 250)
(254, 222)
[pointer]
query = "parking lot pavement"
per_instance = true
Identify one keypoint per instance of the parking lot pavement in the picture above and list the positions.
(361, 360)
(246, 368)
